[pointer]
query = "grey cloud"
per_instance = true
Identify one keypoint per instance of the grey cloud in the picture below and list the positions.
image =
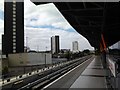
(41, 37)
(49, 15)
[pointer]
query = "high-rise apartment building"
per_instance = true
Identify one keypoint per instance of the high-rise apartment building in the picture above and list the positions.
(75, 46)
(55, 44)
(119, 45)
(116, 45)
(13, 38)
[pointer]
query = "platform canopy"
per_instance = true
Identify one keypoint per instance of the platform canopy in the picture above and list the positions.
(92, 19)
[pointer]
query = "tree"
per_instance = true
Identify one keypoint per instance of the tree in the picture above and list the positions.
(87, 51)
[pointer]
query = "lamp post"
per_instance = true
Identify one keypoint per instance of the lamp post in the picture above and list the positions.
(1, 61)
(27, 41)
(45, 56)
(1, 53)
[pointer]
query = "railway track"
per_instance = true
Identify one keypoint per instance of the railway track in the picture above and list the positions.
(48, 76)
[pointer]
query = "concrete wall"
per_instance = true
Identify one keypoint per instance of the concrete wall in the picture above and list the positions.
(3, 63)
(23, 59)
(0, 67)
(58, 60)
(39, 58)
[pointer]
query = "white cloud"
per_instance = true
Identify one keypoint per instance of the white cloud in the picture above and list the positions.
(1, 21)
(48, 15)
(1, 27)
(2, 5)
(39, 37)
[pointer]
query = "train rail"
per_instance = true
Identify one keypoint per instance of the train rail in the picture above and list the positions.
(46, 76)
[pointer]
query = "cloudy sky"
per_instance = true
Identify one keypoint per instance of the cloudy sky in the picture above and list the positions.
(1, 19)
(44, 21)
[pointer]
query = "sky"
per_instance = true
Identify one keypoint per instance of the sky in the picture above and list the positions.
(1, 20)
(41, 23)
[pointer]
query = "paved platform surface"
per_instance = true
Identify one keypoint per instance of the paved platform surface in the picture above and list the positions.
(92, 77)
(68, 79)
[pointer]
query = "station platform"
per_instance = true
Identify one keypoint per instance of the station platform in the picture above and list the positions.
(94, 76)
(90, 74)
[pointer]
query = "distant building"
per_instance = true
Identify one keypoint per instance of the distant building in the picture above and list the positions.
(119, 45)
(55, 44)
(116, 45)
(65, 50)
(75, 47)
(13, 38)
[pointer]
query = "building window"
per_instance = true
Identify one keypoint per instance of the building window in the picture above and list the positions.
(14, 12)
(14, 19)
(14, 8)
(14, 5)
(14, 26)
(14, 33)
(14, 16)
(14, 37)
(14, 22)
(14, 47)
(14, 51)
(14, 44)
(14, 30)
(14, 40)
(14, 1)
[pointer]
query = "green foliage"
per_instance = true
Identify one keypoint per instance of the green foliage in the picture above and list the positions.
(87, 51)
(5, 70)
